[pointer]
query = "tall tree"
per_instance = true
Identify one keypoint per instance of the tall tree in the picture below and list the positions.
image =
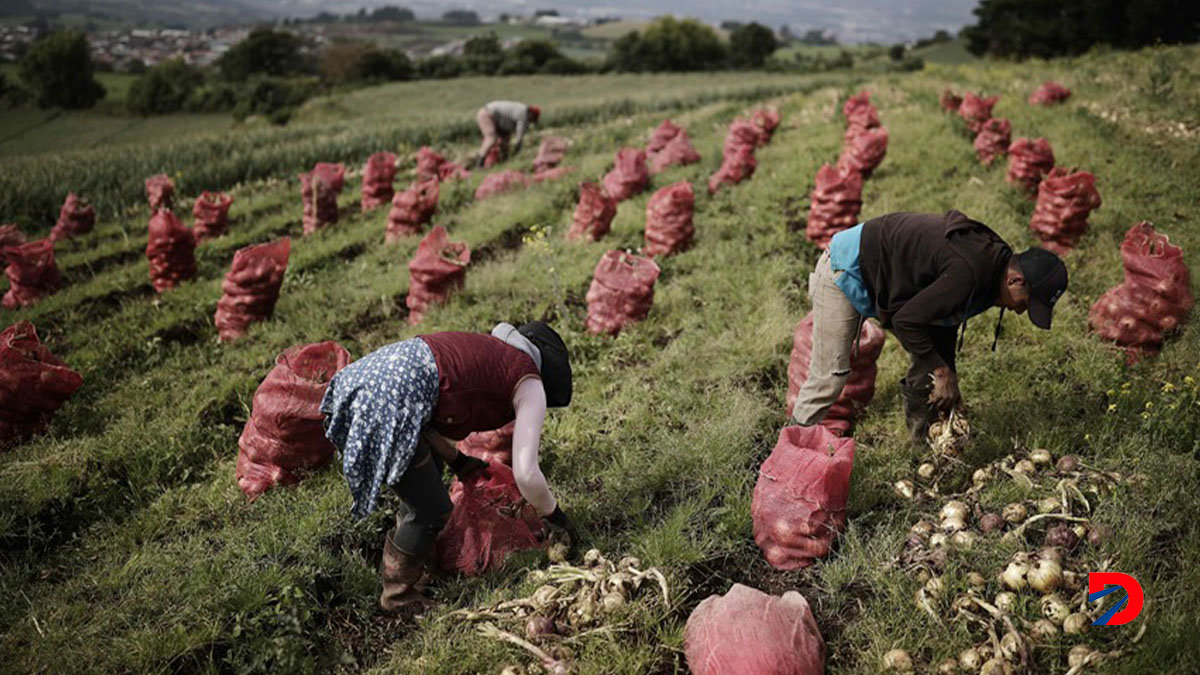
(750, 45)
(264, 52)
(58, 68)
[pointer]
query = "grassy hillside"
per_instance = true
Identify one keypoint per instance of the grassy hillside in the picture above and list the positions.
(125, 544)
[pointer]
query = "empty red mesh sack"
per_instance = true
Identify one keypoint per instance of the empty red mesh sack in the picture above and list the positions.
(10, 235)
(431, 165)
(836, 202)
(319, 189)
(742, 134)
(950, 101)
(767, 120)
(550, 153)
(1028, 162)
(975, 110)
(621, 293)
(993, 139)
(378, 174)
(490, 446)
(160, 192)
(629, 175)
(490, 520)
(32, 273)
(285, 435)
(669, 227)
(1065, 199)
(799, 502)
(663, 134)
(1050, 93)
(412, 209)
(437, 270)
(860, 386)
(593, 214)
(863, 149)
(501, 182)
(34, 384)
(553, 173)
(1152, 302)
(747, 632)
(251, 287)
(679, 151)
(171, 250)
(210, 215)
(859, 112)
(737, 164)
(76, 217)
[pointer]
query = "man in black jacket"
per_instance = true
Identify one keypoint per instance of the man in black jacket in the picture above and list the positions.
(921, 275)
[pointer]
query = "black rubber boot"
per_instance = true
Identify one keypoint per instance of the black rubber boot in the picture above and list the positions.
(919, 413)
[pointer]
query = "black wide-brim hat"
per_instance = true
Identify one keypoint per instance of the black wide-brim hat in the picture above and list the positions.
(556, 362)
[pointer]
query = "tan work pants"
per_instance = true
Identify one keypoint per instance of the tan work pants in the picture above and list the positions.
(490, 138)
(836, 325)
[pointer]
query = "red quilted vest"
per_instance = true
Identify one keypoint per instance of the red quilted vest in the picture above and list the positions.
(477, 375)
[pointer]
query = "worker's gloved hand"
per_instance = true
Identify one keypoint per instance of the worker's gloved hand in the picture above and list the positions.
(945, 395)
(561, 529)
(464, 465)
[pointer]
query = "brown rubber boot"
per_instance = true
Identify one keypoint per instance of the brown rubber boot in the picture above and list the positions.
(404, 580)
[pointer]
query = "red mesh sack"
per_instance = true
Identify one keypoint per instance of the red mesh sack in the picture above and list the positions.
(863, 149)
(1064, 201)
(742, 134)
(378, 174)
(160, 191)
(550, 153)
(629, 175)
(860, 386)
(993, 139)
(32, 273)
(799, 502)
(319, 189)
(493, 156)
(75, 217)
(1154, 299)
(412, 209)
(859, 112)
(950, 101)
(251, 287)
(10, 235)
(431, 165)
(1028, 162)
(490, 520)
(621, 293)
(1050, 93)
(679, 151)
(767, 120)
(501, 182)
(33, 384)
(975, 110)
(593, 214)
(211, 215)
(747, 632)
(836, 202)
(491, 446)
(664, 134)
(171, 250)
(438, 268)
(285, 435)
(553, 173)
(737, 165)
(669, 227)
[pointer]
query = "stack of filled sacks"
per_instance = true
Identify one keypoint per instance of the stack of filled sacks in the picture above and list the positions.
(1065, 199)
(836, 202)
(319, 189)
(437, 270)
(621, 293)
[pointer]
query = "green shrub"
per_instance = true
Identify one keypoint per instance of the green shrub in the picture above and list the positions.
(668, 44)
(58, 69)
(274, 98)
(750, 45)
(165, 88)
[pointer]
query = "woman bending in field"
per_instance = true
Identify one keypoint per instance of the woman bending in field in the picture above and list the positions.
(394, 413)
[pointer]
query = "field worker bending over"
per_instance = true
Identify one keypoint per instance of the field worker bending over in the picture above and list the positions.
(394, 413)
(922, 275)
(498, 121)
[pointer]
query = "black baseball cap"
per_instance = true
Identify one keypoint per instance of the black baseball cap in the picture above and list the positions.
(556, 362)
(1046, 277)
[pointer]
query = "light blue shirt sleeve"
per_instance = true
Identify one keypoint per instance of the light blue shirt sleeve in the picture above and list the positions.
(844, 258)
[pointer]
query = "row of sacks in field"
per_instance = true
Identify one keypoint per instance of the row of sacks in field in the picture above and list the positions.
(1065, 196)
(837, 190)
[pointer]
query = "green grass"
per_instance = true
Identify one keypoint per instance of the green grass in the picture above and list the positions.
(126, 546)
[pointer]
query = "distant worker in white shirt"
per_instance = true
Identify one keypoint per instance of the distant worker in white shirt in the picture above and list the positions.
(499, 121)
